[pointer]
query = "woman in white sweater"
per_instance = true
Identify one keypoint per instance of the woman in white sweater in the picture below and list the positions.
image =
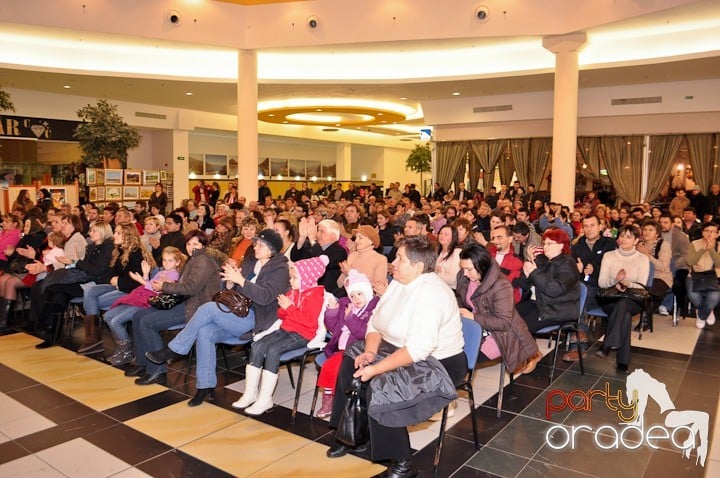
(624, 267)
(659, 253)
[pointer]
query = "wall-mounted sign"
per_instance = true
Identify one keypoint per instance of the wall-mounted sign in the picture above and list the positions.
(37, 128)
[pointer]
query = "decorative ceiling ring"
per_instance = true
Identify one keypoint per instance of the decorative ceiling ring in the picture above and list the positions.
(331, 116)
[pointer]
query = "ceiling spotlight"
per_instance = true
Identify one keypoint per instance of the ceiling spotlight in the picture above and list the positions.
(456, 93)
(173, 18)
(67, 87)
(403, 98)
(189, 93)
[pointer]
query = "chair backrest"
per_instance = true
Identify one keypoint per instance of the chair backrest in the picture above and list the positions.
(472, 333)
(320, 338)
(651, 275)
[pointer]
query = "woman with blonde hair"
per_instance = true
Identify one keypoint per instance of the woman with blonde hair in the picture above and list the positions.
(126, 258)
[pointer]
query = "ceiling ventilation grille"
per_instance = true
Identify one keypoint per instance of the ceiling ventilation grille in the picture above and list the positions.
(490, 109)
(150, 115)
(635, 101)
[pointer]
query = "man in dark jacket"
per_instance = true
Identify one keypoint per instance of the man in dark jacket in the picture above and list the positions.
(172, 237)
(588, 252)
(314, 242)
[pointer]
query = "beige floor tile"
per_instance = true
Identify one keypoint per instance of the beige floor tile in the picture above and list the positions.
(80, 458)
(49, 364)
(103, 388)
(680, 339)
(179, 424)
(26, 425)
(310, 461)
(28, 466)
(245, 447)
(131, 473)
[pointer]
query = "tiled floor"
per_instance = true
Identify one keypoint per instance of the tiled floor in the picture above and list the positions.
(66, 415)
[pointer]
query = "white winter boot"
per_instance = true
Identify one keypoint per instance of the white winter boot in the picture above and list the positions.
(252, 380)
(265, 396)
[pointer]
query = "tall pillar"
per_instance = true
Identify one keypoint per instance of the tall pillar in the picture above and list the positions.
(247, 128)
(180, 166)
(343, 161)
(565, 105)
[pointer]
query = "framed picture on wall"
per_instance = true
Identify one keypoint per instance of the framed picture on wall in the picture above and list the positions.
(113, 193)
(100, 177)
(163, 175)
(100, 205)
(146, 192)
(131, 192)
(133, 177)
(58, 195)
(100, 193)
(129, 204)
(92, 193)
(151, 178)
(90, 176)
(113, 177)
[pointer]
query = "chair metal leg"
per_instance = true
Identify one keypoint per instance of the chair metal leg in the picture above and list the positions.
(555, 356)
(580, 351)
(299, 386)
(290, 374)
(441, 440)
(189, 362)
(501, 388)
(471, 397)
(675, 312)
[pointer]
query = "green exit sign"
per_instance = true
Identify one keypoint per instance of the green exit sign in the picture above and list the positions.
(181, 158)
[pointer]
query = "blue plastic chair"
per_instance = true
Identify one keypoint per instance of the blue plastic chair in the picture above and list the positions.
(567, 328)
(472, 333)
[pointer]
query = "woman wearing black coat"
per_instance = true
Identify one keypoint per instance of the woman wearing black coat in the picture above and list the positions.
(554, 276)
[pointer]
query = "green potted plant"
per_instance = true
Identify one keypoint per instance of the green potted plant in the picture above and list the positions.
(104, 137)
(419, 161)
(5, 103)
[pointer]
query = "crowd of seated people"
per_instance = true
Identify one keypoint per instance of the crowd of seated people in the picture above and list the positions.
(512, 243)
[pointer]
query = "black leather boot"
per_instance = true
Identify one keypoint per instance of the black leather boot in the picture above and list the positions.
(53, 332)
(400, 469)
(161, 356)
(6, 307)
(201, 395)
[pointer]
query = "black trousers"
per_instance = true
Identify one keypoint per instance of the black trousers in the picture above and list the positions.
(619, 323)
(387, 443)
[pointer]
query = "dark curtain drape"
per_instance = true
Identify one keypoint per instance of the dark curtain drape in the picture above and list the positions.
(540, 152)
(450, 159)
(623, 160)
(662, 153)
(520, 149)
(589, 148)
(703, 159)
(486, 155)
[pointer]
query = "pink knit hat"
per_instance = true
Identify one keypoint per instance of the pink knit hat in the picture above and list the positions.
(358, 282)
(310, 270)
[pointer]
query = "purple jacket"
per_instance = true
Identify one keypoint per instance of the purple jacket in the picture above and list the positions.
(335, 319)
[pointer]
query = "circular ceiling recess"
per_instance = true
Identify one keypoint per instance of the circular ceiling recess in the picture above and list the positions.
(331, 116)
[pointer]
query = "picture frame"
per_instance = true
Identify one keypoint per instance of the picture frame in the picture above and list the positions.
(90, 176)
(129, 204)
(146, 192)
(100, 193)
(100, 177)
(113, 193)
(151, 178)
(92, 194)
(131, 192)
(163, 175)
(113, 177)
(133, 177)
(59, 195)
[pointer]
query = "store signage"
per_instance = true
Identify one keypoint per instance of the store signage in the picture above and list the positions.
(37, 128)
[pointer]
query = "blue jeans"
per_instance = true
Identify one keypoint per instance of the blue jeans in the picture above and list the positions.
(117, 317)
(704, 301)
(209, 326)
(266, 352)
(100, 297)
(147, 324)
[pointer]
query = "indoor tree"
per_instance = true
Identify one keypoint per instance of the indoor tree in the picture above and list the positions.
(5, 103)
(104, 135)
(419, 161)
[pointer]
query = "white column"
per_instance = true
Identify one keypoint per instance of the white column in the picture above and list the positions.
(344, 161)
(565, 106)
(180, 165)
(247, 128)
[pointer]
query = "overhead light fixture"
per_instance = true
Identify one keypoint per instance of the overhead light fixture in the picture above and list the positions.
(456, 93)
(189, 93)
(403, 98)
(67, 87)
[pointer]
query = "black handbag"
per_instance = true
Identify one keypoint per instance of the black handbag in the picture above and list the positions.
(704, 281)
(230, 300)
(353, 427)
(637, 294)
(166, 301)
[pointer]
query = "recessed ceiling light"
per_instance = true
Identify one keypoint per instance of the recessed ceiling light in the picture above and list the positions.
(285, 122)
(189, 93)
(318, 109)
(337, 124)
(271, 114)
(67, 87)
(379, 114)
(456, 93)
(403, 98)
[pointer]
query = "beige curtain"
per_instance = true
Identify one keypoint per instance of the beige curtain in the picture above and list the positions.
(540, 151)
(520, 149)
(450, 159)
(623, 160)
(662, 153)
(703, 159)
(506, 166)
(486, 155)
(589, 148)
